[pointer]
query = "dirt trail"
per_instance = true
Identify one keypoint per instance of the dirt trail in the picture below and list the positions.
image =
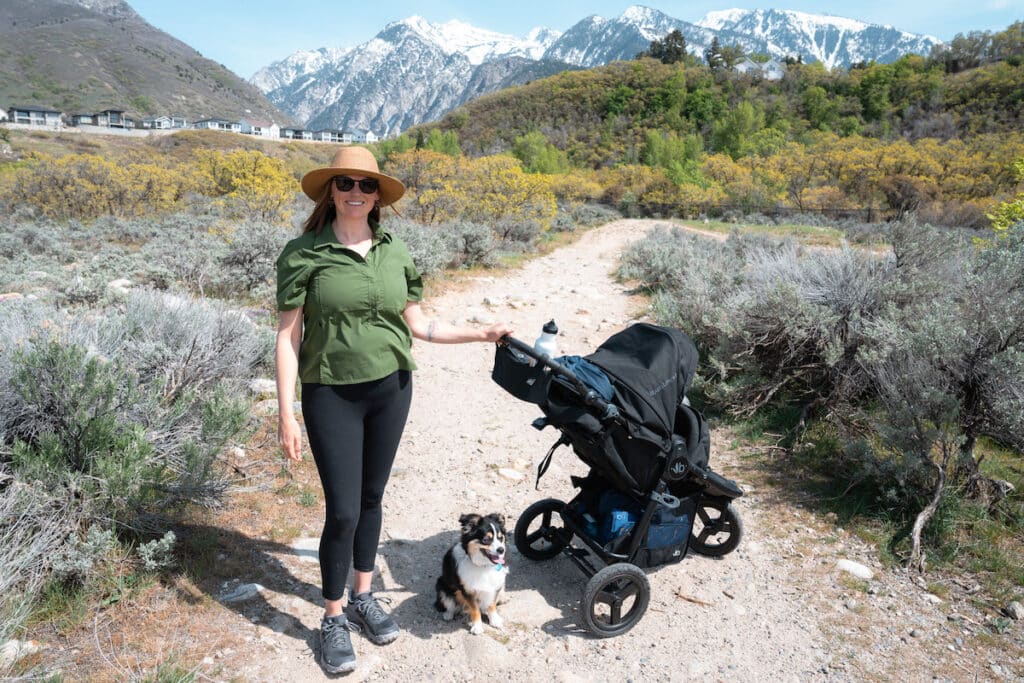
(776, 609)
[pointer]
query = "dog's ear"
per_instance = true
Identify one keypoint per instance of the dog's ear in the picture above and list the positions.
(468, 521)
(499, 518)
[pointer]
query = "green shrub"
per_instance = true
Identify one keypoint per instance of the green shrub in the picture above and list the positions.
(910, 357)
(428, 244)
(470, 244)
(128, 406)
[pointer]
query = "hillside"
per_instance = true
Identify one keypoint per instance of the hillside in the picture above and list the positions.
(602, 116)
(87, 56)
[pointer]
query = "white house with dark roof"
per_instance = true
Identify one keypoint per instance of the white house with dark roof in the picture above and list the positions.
(333, 135)
(292, 133)
(113, 118)
(364, 136)
(219, 124)
(164, 122)
(34, 116)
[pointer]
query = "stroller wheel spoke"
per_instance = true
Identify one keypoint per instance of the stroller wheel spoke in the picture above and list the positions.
(616, 614)
(536, 536)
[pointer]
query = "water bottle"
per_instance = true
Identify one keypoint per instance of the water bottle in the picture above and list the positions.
(545, 343)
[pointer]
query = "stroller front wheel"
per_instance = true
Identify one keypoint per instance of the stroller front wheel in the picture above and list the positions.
(547, 538)
(717, 528)
(615, 599)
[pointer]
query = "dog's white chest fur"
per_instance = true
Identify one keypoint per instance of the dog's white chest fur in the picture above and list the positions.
(484, 580)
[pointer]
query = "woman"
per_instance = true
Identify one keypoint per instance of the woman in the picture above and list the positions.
(348, 295)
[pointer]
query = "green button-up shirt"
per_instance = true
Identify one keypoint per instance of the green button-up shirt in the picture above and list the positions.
(352, 325)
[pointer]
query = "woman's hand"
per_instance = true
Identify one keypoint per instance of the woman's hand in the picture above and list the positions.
(497, 331)
(290, 437)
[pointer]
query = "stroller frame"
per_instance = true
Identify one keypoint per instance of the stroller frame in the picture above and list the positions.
(617, 595)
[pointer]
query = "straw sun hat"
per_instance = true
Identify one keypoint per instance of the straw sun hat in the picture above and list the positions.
(355, 161)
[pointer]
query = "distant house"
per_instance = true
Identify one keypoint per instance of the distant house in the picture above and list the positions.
(297, 134)
(364, 136)
(111, 118)
(332, 135)
(219, 124)
(772, 70)
(3, 115)
(83, 119)
(34, 116)
(261, 129)
(165, 122)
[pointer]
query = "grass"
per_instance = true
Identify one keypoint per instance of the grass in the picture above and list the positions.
(61, 604)
(169, 672)
(853, 583)
(67, 604)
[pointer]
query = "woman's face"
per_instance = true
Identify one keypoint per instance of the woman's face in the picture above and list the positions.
(354, 202)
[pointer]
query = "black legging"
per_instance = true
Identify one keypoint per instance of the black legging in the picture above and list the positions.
(354, 430)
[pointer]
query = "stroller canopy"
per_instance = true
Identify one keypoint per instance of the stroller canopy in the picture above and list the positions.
(651, 368)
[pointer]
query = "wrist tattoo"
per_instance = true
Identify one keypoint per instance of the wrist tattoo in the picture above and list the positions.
(430, 330)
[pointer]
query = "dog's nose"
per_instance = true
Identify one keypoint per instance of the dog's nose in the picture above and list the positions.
(500, 550)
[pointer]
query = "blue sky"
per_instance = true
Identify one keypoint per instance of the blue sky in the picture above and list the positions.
(244, 36)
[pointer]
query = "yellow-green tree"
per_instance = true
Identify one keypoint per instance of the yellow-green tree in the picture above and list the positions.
(497, 188)
(248, 184)
(87, 186)
(1010, 213)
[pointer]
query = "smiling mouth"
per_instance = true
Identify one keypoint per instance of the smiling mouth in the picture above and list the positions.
(493, 557)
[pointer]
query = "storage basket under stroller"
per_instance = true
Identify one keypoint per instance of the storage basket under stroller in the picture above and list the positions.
(649, 496)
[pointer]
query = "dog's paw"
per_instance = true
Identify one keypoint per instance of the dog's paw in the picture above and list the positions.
(448, 616)
(495, 620)
(476, 628)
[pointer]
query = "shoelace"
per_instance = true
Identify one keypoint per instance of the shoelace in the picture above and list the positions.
(333, 631)
(371, 608)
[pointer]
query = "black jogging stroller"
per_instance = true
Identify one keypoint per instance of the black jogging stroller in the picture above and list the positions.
(649, 496)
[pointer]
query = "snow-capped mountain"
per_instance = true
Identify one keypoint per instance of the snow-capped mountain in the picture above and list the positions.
(415, 70)
(595, 40)
(833, 41)
(412, 71)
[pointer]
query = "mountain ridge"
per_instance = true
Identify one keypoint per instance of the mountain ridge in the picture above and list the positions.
(451, 59)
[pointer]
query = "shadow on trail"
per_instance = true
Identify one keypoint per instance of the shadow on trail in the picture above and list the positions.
(217, 561)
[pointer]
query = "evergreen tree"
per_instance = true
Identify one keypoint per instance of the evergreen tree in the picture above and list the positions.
(670, 50)
(713, 55)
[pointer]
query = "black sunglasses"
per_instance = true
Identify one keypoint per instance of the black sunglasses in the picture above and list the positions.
(367, 185)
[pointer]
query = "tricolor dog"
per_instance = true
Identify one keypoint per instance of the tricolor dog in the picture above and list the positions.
(473, 572)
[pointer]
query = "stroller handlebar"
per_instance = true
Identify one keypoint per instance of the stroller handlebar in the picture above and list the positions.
(590, 397)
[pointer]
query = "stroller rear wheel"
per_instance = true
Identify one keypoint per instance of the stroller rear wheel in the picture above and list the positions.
(548, 537)
(615, 599)
(717, 528)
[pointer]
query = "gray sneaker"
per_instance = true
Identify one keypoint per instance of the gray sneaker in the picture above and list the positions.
(365, 610)
(336, 653)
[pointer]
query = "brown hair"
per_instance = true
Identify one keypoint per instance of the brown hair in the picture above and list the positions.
(324, 212)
